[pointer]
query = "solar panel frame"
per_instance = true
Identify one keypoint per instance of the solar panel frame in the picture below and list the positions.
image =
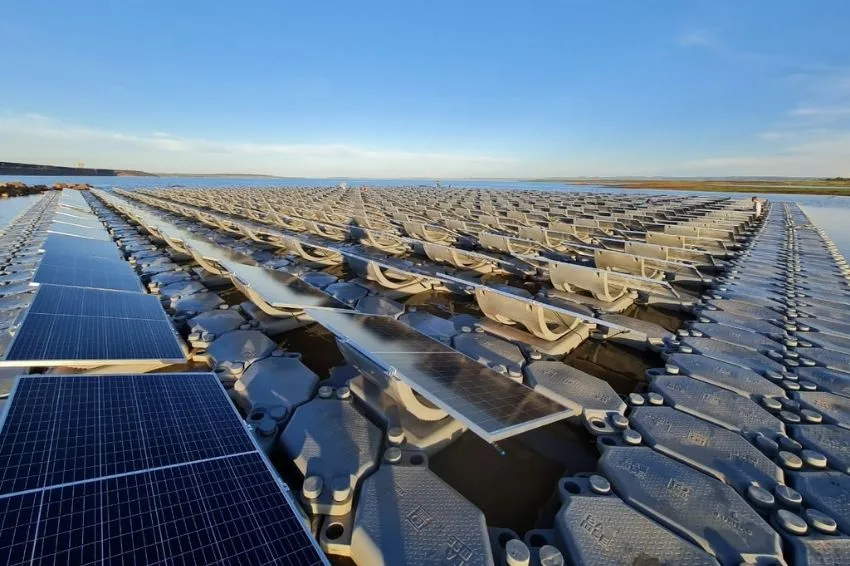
(90, 223)
(130, 435)
(81, 247)
(258, 502)
(554, 308)
(198, 513)
(75, 325)
(45, 340)
(423, 363)
(74, 200)
(101, 303)
(78, 216)
(87, 272)
(279, 289)
(76, 230)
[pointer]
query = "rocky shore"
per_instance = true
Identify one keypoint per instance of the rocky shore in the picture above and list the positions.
(19, 188)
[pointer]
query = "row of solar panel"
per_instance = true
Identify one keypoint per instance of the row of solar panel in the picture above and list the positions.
(142, 469)
(279, 290)
(90, 308)
(80, 253)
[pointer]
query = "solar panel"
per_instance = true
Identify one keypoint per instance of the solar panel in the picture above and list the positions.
(139, 469)
(87, 221)
(278, 289)
(472, 285)
(48, 340)
(74, 199)
(72, 245)
(217, 252)
(95, 273)
(76, 230)
(73, 301)
(379, 334)
(492, 405)
(77, 217)
(227, 511)
(124, 431)
(67, 325)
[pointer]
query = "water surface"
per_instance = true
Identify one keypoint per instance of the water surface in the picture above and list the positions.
(13, 206)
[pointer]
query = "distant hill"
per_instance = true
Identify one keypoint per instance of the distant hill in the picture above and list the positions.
(23, 169)
(220, 175)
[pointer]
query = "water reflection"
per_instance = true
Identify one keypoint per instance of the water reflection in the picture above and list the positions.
(13, 206)
(834, 220)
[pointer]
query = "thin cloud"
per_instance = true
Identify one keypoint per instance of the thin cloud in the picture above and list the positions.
(696, 38)
(803, 154)
(821, 111)
(37, 138)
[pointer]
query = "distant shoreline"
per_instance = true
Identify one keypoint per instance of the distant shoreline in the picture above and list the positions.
(735, 184)
(33, 170)
(830, 187)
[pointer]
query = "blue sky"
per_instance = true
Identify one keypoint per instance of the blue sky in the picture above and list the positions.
(432, 89)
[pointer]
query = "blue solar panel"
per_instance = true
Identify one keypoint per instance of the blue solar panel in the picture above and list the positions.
(83, 260)
(225, 511)
(138, 469)
(72, 301)
(49, 339)
(71, 245)
(79, 231)
(95, 273)
(492, 406)
(63, 429)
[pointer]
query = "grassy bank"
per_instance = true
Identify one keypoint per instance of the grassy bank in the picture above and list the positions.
(833, 187)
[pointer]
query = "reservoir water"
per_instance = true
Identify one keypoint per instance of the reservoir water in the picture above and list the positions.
(11, 207)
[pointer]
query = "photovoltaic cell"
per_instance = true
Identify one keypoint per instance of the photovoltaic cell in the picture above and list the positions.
(72, 324)
(79, 247)
(95, 273)
(76, 230)
(493, 406)
(63, 429)
(215, 252)
(71, 301)
(378, 334)
(139, 469)
(73, 215)
(224, 511)
(281, 290)
(61, 340)
(81, 220)
(74, 200)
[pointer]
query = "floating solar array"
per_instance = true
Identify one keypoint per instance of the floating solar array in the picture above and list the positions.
(139, 469)
(734, 452)
(90, 308)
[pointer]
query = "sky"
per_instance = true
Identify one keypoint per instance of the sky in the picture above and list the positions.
(432, 89)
